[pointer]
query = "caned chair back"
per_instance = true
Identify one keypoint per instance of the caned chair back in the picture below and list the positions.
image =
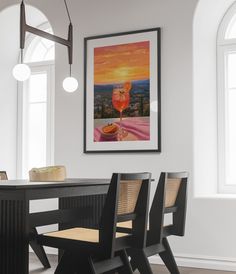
(128, 196)
(127, 200)
(172, 190)
(3, 175)
(170, 197)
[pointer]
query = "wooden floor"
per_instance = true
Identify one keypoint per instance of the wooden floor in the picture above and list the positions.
(36, 268)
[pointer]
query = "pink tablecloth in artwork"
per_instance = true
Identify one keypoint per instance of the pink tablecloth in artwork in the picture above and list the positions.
(137, 127)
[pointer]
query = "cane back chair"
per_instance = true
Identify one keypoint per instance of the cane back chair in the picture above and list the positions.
(103, 250)
(170, 198)
(44, 174)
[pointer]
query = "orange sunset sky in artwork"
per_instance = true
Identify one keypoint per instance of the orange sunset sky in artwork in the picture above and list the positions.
(120, 63)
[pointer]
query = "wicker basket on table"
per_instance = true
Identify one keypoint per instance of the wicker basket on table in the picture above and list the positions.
(48, 174)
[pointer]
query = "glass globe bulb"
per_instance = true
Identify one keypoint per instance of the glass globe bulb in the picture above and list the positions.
(21, 72)
(70, 84)
(154, 106)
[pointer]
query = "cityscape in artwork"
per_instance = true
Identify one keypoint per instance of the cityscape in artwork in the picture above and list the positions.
(139, 104)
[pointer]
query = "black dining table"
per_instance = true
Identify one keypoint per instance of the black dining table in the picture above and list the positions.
(15, 217)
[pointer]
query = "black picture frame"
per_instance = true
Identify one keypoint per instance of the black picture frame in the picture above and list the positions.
(90, 44)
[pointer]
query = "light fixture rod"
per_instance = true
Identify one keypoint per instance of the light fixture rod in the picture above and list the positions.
(47, 35)
(21, 56)
(24, 27)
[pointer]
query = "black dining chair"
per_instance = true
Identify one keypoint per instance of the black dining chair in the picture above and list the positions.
(103, 250)
(44, 174)
(170, 198)
(37, 248)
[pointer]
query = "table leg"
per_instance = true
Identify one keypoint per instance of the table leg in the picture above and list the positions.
(14, 248)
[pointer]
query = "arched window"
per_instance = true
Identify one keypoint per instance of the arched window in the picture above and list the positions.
(39, 49)
(36, 105)
(226, 70)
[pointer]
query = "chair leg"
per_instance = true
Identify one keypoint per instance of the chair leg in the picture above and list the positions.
(39, 251)
(168, 258)
(84, 266)
(92, 267)
(73, 263)
(68, 264)
(140, 261)
(127, 268)
(111, 268)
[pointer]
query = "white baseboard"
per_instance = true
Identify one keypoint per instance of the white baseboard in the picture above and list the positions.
(207, 262)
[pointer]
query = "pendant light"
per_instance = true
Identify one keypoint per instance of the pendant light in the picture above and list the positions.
(70, 84)
(22, 71)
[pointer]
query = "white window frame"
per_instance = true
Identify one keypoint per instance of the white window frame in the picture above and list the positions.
(49, 67)
(37, 67)
(224, 47)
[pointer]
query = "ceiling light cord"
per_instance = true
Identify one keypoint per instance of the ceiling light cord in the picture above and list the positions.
(67, 10)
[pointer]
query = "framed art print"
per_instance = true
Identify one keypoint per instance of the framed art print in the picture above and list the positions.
(122, 92)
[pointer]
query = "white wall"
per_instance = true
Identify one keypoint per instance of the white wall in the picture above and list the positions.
(217, 227)
(205, 96)
(92, 18)
(175, 18)
(8, 95)
(210, 228)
